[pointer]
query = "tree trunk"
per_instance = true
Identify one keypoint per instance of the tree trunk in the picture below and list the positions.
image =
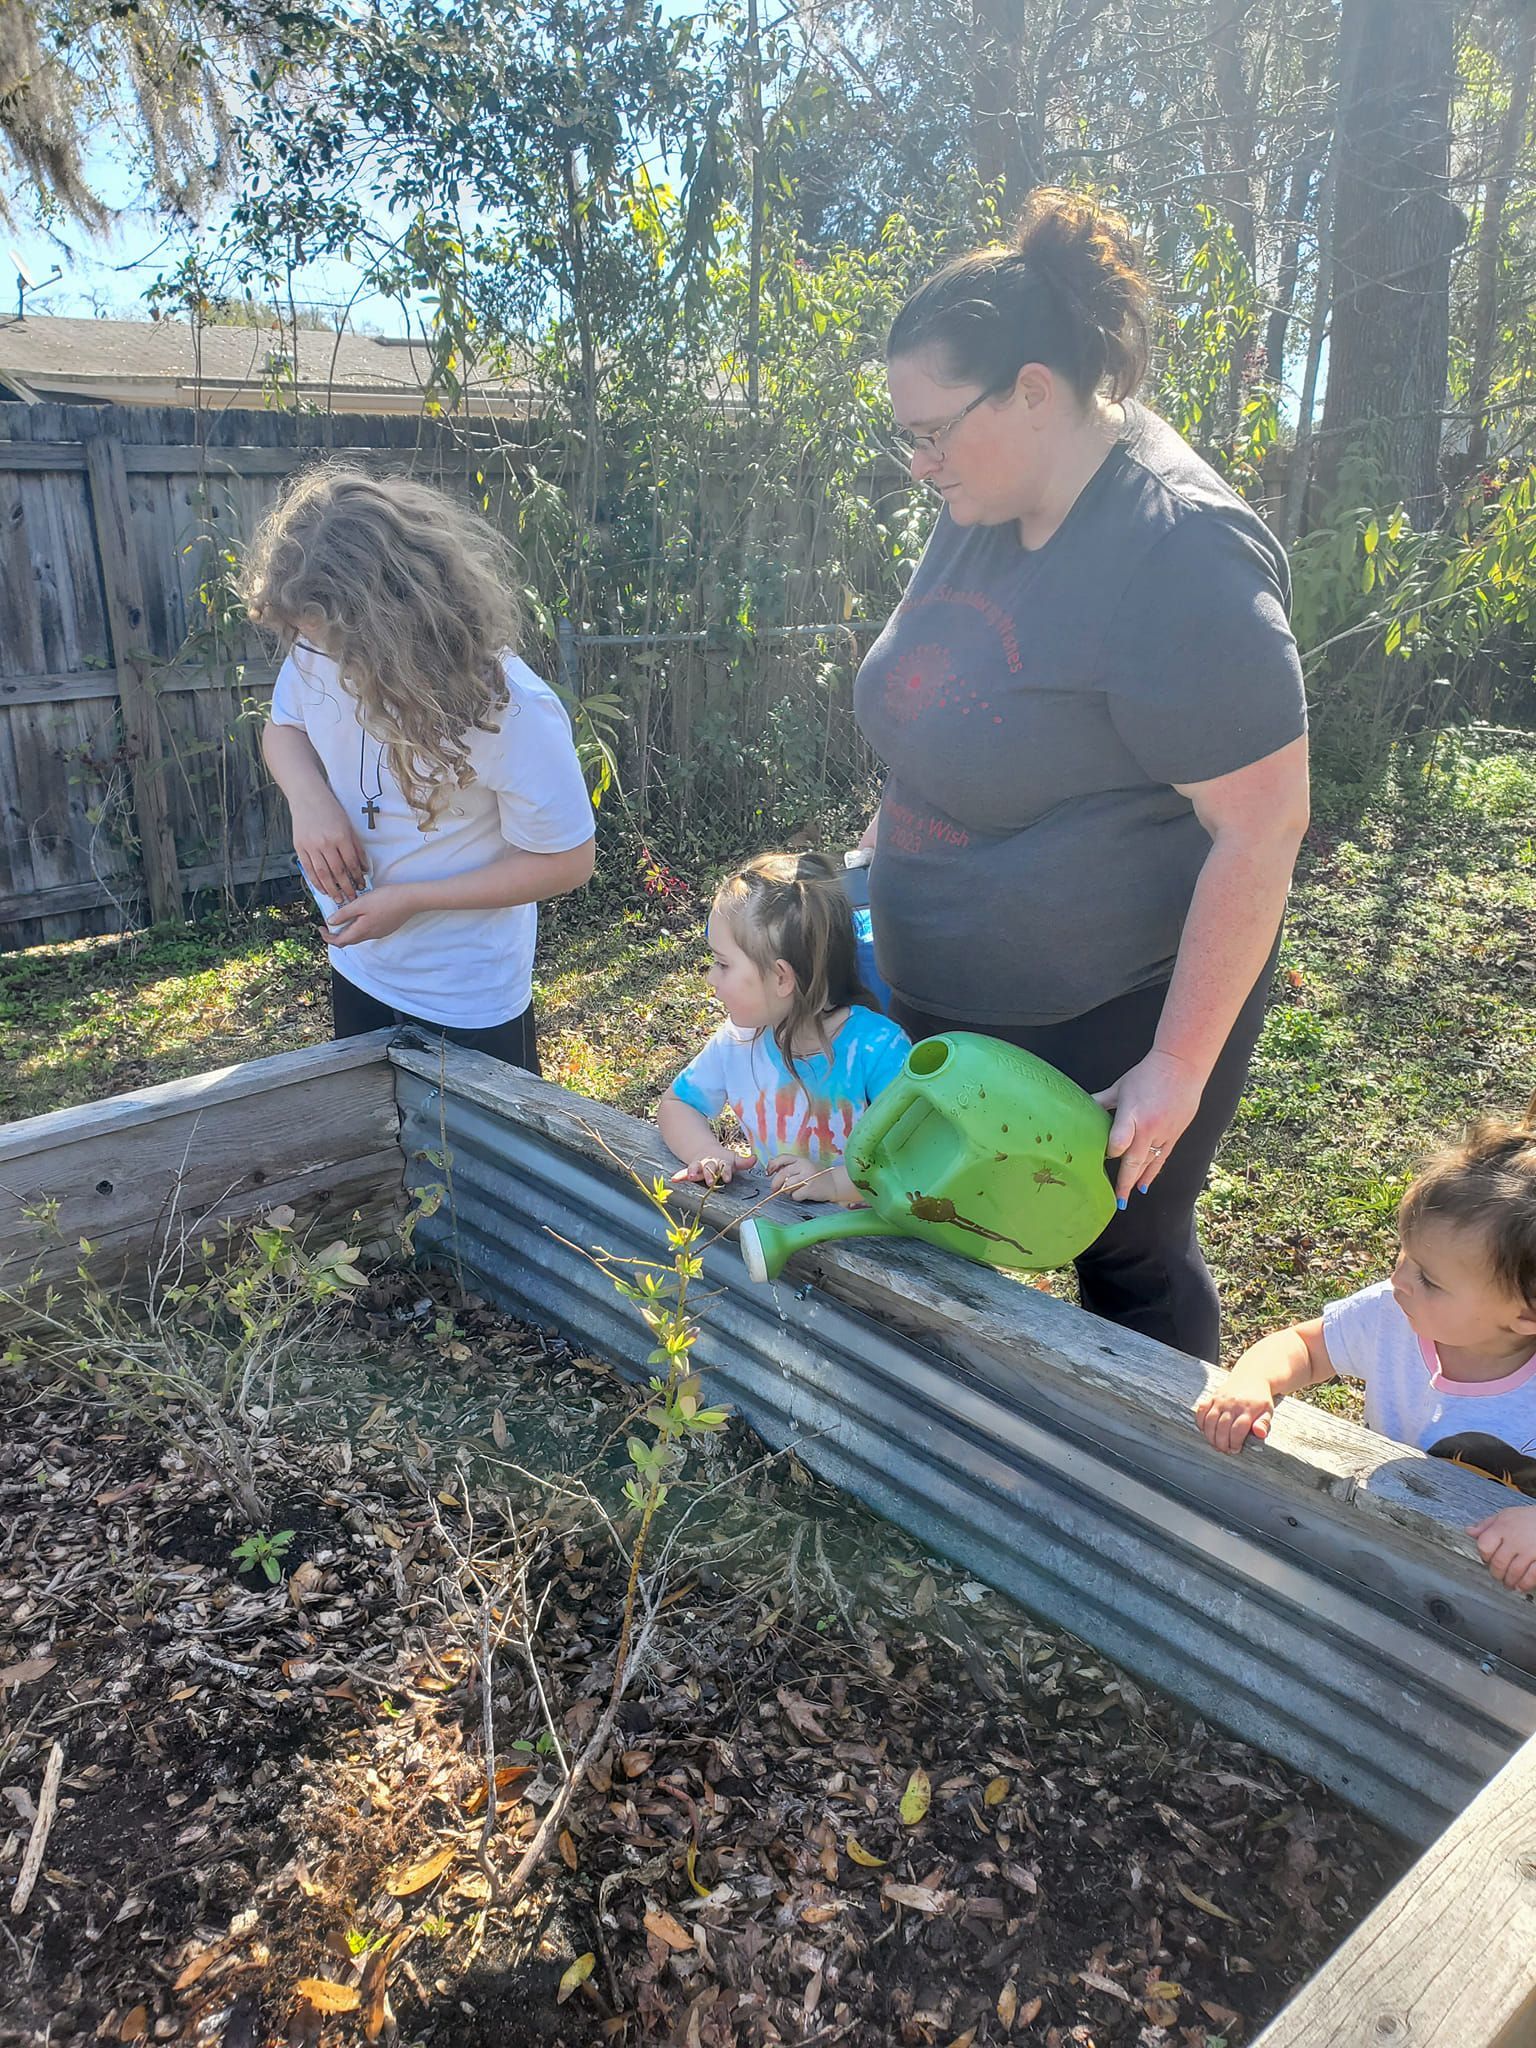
(757, 223)
(1485, 316)
(1297, 206)
(1394, 230)
(999, 133)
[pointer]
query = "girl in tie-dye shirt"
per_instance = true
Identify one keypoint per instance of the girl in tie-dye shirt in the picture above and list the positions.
(803, 1052)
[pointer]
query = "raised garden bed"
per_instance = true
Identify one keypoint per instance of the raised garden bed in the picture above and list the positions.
(254, 1780)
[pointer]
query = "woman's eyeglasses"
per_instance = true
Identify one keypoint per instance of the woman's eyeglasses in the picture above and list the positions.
(932, 443)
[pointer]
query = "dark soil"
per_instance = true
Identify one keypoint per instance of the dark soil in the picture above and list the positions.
(256, 1777)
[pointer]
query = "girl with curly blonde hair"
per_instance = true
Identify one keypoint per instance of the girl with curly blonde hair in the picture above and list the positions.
(434, 785)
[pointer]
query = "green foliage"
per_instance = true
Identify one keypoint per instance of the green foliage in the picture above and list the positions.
(194, 1355)
(1402, 629)
(1208, 382)
(260, 1552)
(662, 1291)
(675, 1414)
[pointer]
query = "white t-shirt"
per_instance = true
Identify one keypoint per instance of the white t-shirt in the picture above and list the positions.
(1488, 1424)
(472, 968)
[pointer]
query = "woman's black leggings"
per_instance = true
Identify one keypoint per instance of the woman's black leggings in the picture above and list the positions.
(354, 1013)
(1145, 1271)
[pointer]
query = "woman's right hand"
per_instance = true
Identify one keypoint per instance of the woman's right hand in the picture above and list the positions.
(329, 849)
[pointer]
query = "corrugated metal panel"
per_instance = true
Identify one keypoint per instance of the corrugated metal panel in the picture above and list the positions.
(1404, 1722)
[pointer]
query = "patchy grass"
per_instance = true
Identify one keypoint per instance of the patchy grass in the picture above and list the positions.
(97, 1016)
(1402, 1008)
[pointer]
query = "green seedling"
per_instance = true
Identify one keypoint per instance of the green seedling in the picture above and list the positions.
(260, 1549)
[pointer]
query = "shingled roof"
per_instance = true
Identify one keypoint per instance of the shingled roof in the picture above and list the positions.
(169, 362)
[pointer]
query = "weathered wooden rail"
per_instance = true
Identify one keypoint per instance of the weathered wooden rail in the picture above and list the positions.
(1319, 1597)
(129, 772)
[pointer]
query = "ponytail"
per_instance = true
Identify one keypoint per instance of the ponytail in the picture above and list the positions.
(793, 907)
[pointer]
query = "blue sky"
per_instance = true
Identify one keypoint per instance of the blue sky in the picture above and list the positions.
(111, 274)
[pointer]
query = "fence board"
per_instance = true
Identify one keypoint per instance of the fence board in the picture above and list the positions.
(21, 630)
(126, 615)
(268, 868)
(245, 678)
(110, 518)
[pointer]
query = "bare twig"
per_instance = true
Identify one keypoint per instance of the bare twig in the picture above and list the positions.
(47, 1807)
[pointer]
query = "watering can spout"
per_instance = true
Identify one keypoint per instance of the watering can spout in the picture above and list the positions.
(766, 1246)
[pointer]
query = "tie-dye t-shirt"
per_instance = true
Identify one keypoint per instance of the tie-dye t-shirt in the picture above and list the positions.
(812, 1117)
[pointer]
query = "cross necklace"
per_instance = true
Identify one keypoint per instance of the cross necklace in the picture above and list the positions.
(370, 802)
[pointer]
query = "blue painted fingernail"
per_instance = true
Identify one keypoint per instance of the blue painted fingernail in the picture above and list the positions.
(1143, 1188)
(1119, 1201)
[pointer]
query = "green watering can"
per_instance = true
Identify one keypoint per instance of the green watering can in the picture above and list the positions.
(976, 1146)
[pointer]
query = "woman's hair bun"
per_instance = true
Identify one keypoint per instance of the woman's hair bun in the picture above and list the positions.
(1088, 253)
(1070, 292)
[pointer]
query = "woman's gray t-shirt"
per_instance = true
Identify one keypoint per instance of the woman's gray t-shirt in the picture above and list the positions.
(1034, 708)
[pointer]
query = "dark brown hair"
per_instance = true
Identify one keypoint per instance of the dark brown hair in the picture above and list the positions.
(1486, 1184)
(793, 907)
(1070, 293)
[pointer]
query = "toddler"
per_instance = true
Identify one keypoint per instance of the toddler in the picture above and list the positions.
(1446, 1347)
(802, 1053)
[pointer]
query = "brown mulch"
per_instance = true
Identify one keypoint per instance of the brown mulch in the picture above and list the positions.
(267, 1788)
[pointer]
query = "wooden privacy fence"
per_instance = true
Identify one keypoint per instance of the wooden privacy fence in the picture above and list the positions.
(130, 774)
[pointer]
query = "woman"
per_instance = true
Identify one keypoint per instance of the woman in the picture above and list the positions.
(1091, 712)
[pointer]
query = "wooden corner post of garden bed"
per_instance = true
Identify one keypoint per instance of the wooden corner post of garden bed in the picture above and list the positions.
(107, 476)
(1448, 1959)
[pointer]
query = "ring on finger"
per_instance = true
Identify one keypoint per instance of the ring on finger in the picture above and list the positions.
(1154, 1150)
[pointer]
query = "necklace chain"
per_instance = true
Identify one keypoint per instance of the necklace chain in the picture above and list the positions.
(370, 805)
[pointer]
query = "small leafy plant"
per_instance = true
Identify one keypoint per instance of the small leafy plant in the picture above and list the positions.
(263, 1551)
(196, 1354)
(663, 1291)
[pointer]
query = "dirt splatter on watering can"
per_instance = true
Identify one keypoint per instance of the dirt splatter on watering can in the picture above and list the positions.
(977, 1147)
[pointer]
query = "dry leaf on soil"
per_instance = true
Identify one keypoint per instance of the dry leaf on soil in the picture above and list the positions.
(24, 1672)
(915, 1800)
(576, 1976)
(403, 1883)
(1096, 1982)
(666, 1929)
(325, 1996)
(857, 1853)
(803, 1716)
(1199, 1899)
(921, 1897)
(198, 1967)
(997, 1791)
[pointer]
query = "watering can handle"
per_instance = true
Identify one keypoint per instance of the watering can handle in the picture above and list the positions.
(892, 1107)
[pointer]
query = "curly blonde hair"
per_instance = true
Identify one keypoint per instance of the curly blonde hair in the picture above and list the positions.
(413, 595)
